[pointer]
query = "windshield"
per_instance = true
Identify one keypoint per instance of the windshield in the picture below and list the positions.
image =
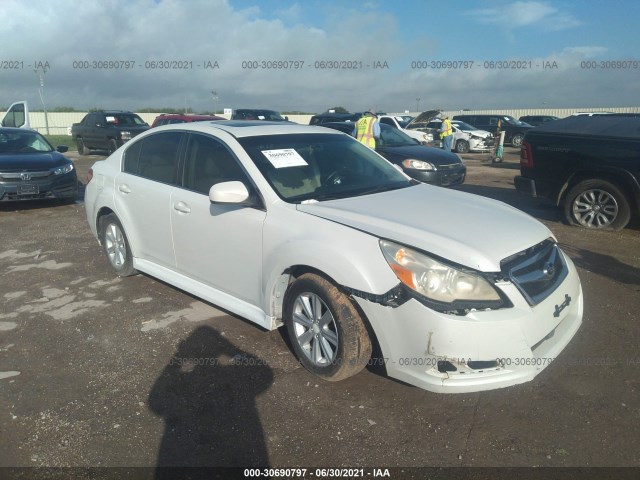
(464, 126)
(268, 115)
(392, 137)
(512, 121)
(124, 119)
(313, 166)
(23, 142)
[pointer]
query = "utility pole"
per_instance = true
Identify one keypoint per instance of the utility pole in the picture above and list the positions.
(40, 72)
(215, 101)
(418, 104)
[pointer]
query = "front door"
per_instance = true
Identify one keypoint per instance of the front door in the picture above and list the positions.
(217, 244)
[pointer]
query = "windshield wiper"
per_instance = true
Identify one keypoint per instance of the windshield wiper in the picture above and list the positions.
(379, 189)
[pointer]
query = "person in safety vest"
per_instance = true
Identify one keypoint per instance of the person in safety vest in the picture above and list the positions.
(446, 134)
(367, 129)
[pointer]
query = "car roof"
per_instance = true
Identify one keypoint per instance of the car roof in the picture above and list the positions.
(186, 115)
(112, 111)
(247, 128)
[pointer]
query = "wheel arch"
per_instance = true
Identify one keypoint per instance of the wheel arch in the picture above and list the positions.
(625, 181)
(281, 290)
(102, 213)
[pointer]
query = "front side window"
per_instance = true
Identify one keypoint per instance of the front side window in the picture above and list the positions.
(15, 117)
(208, 162)
(154, 157)
(316, 167)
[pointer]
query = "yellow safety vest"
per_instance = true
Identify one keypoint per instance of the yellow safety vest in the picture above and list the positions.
(445, 129)
(364, 131)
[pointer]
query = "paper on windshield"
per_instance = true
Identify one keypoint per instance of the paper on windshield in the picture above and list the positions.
(285, 157)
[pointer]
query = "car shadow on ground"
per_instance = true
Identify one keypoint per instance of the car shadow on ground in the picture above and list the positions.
(604, 265)
(504, 165)
(26, 205)
(511, 197)
(207, 397)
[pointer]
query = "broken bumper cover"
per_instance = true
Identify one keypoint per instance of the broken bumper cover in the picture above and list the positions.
(480, 145)
(482, 350)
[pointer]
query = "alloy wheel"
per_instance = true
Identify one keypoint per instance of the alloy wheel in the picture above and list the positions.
(315, 329)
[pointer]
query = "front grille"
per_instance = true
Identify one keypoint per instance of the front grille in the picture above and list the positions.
(448, 167)
(24, 175)
(537, 271)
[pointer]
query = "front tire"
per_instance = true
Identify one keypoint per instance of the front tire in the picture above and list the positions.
(328, 334)
(597, 204)
(112, 146)
(462, 146)
(116, 246)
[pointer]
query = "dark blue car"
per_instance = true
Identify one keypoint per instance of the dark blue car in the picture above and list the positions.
(31, 169)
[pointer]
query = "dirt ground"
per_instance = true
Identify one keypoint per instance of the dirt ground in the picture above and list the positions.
(101, 371)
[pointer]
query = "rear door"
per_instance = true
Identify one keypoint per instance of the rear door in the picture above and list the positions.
(143, 195)
(17, 116)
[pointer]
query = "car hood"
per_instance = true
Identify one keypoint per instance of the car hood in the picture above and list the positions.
(436, 156)
(424, 117)
(32, 161)
(478, 133)
(467, 229)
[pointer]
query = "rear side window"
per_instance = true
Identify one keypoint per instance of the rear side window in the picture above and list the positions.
(155, 157)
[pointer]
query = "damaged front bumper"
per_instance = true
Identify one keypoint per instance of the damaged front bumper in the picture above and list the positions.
(482, 350)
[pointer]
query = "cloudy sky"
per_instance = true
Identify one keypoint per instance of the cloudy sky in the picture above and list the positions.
(378, 53)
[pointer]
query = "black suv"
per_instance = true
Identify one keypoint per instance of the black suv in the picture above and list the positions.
(334, 117)
(258, 114)
(514, 129)
(536, 120)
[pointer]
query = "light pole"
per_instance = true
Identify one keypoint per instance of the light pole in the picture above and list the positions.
(418, 104)
(215, 101)
(40, 72)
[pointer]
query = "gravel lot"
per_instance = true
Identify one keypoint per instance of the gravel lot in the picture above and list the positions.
(98, 371)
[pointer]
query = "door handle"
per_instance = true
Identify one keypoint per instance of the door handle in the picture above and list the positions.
(124, 188)
(181, 207)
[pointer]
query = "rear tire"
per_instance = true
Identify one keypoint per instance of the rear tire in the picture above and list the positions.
(327, 333)
(597, 204)
(82, 150)
(516, 140)
(116, 246)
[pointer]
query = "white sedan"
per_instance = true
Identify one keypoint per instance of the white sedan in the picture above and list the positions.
(305, 227)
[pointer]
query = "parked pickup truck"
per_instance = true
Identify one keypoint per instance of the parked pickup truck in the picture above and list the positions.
(106, 130)
(589, 165)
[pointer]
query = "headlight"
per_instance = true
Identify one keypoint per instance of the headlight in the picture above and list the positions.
(64, 169)
(443, 285)
(124, 135)
(428, 137)
(417, 165)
